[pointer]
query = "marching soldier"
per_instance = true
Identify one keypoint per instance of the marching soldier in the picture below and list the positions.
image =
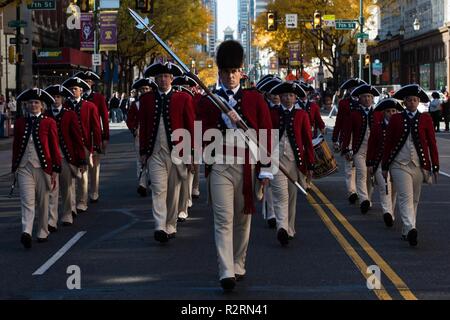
(36, 161)
(312, 109)
(73, 156)
(273, 101)
(296, 154)
(230, 185)
(345, 105)
(89, 122)
(410, 155)
(100, 102)
(357, 130)
(142, 86)
(161, 113)
(375, 148)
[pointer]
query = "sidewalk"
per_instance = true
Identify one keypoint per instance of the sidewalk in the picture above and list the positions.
(5, 155)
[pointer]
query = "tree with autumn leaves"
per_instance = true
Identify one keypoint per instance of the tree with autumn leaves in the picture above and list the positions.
(179, 23)
(333, 47)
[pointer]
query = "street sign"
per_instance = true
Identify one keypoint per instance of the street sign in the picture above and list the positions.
(96, 59)
(13, 41)
(360, 35)
(17, 24)
(291, 21)
(329, 20)
(362, 48)
(377, 68)
(345, 25)
(42, 5)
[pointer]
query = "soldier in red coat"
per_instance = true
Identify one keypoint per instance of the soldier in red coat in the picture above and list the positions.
(142, 86)
(295, 152)
(100, 102)
(356, 131)
(160, 114)
(312, 109)
(89, 122)
(231, 184)
(377, 142)
(73, 156)
(410, 155)
(345, 106)
(36, 161)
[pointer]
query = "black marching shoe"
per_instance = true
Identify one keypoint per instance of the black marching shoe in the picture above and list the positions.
(283, 237)
(365, 206)
(272, 222)
(228, 284)
(161, 236)
(181, 219)
(52, 229)
(142, 191)
(74, 214)
(67, 224)
(172, 235)
(25, 239)
(412, 237)
(42, 240)
(93, 200)
(353, 197)
(81, 211)
(239, 277)
(388, 221)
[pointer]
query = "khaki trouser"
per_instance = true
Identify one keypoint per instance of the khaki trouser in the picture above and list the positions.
(387, 200)
(285, 196)
(231, 225)
(407, 181)
(64, 184)
(196, 180)
(364, 187)
(165, 185)
(268, 211)
(94, 176)
(185, 200)
(73, 195)
(34, 191)
(82, 183)
(143, 181)
(350, 175)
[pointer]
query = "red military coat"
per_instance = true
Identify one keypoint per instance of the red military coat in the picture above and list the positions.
(253, 110)
(355, 128)
(179, 115)
(376, 144)
(100, 101)
(132, 118)
(70, 137)
(45, 137)
(342, 117)
(421, 128)
(315, 119)
(299, 135)
(89, 121)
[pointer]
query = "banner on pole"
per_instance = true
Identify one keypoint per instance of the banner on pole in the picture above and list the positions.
(294, 53)
(87, 32)
(108, 31)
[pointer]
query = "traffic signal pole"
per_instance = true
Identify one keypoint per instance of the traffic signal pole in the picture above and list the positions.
(361, 29)
(18, 79)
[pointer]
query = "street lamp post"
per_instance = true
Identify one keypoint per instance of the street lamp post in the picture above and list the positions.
(361, 29)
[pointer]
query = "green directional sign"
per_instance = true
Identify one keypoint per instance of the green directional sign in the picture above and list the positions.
(17, 24)
(42, 5)
(362, 35)
(345, 25)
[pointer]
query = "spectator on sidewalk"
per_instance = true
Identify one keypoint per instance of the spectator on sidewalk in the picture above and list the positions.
(123, 105)
(115, 112)
(446, 110)
(435, 110)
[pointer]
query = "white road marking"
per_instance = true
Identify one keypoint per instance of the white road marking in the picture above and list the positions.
(59, 254)
(444, 174)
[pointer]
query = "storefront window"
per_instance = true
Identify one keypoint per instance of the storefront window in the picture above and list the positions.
(425, 76)
(440, 75)
(396, 72)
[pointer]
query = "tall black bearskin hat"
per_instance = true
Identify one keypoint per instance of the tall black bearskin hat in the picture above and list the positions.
(230, 54)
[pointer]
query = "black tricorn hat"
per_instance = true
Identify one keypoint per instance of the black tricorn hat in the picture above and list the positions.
(230, 54)
(265, 78)
(389, 103)
(184, 81)
(183, 89)
(139, 83)
(161, 68)
(411, 90)
(352, 83)
(263, 82)
(76, 82)
(87, 75)
(365, 88)
(36, 94)
(288, 87)
(306, 86)
(269, 85)
(59, 90)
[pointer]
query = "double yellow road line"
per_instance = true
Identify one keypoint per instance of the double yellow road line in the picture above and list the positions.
(381, 293)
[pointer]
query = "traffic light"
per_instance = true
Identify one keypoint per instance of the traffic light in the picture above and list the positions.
(367, 59)
(12, 54)
(271, 21)
(145, 6)
(317, 20)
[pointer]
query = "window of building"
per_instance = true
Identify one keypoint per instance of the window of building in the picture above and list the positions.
(425, 75)
(440, 75)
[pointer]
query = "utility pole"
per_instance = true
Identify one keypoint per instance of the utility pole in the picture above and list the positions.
(361, 29)
(94, 68)
(18, 50)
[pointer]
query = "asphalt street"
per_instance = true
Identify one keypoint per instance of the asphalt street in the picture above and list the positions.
(119, 259)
